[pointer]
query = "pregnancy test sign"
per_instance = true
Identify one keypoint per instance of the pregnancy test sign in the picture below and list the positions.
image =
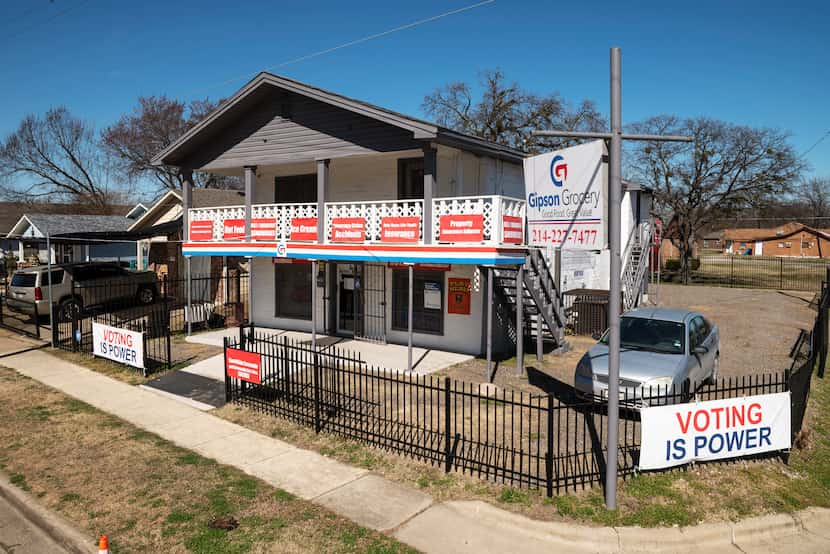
(715, 429)
(118, 345)
(243, 365)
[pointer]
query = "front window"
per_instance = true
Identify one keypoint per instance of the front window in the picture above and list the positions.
(656, 335)
(293, 291)
(427, 305)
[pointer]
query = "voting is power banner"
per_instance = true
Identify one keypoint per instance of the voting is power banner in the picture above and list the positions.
(715, 429)
(119, 345)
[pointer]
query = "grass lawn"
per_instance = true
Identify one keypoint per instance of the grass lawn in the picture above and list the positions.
(701, 493)
(148, 495)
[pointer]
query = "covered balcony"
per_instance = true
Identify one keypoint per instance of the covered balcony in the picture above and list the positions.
(490, 220)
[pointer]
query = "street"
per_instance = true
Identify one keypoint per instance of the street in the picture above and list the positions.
(19, 536)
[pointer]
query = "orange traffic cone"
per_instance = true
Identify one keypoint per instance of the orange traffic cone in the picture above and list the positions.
(103, 545)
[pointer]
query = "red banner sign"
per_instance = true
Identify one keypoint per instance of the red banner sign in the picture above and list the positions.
(513, 231)
(233, 229)
(201, 230)
(245, 366)
(348, 229)
(400, 229)
(264, 228)
(303, 228)
(461, 228)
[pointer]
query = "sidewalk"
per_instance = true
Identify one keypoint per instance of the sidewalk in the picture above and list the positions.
(409, 515)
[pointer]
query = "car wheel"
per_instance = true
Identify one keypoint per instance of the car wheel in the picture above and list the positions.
(146, 295)
(69, 309)
(713, 377)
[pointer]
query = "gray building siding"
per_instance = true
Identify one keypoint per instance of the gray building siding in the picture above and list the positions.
(286, 127)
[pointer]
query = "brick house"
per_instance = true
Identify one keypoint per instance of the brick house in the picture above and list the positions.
(790, 239)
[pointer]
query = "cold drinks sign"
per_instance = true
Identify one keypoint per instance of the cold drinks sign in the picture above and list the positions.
(675, 435)
(566, 197)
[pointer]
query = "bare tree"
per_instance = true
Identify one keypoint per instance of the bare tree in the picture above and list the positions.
(727, 168)
(155, 123)
(58, 156)
(814, 196)
(507, 114)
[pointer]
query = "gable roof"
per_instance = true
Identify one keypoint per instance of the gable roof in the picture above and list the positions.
(782, 231)
(420, 129)
(11, 212)
(200, 198)
(57, 225)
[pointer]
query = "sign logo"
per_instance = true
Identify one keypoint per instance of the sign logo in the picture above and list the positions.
(282, 250)
(558, 170)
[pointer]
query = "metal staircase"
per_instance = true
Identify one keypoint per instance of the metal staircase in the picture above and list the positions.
(635, 264)
(542, 303)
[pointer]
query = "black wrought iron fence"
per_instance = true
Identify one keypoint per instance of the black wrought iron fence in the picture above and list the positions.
(555, 442)
(769, 272)
(21, 317)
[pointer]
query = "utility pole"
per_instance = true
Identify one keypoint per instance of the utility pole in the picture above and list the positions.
(615, 138)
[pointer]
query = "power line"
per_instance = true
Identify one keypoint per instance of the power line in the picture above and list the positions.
(824, 136)
(357, 41)
(48, 19)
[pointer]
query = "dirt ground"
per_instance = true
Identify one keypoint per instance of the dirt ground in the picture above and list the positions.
(757, 329)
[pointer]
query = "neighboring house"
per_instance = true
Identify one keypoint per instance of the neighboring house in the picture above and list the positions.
(73, 237)
(790, 239)
(159, 231)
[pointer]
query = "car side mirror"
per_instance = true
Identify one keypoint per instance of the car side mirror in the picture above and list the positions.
(701, 350)
(596, 335)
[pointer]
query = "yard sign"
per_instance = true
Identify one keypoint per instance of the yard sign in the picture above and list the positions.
(243, 365)
(566, 198)
(715, 429)
(119, 345)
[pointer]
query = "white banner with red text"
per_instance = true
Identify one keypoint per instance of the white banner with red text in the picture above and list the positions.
(714, 429)
(119, 345)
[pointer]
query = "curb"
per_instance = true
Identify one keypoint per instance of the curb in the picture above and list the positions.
(53, 525)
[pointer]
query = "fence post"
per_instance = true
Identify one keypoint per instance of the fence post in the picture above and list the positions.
(225, 369)
(55, 326)
(167, 332)
(75, 340)
(242, 336)
(286, 369)
(731, 270)
(37, 322)
(549, 453)
(447, 427)
(143, 351)
(315, 377)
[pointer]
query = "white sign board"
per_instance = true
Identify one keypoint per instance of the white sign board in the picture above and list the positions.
(715, 429)
(580, 270)
(118, 345)
(566, 197)
(432, 295)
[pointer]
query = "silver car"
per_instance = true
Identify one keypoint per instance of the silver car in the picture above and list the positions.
(660, 349)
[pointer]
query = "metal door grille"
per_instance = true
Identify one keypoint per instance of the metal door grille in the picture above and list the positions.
(370, 286)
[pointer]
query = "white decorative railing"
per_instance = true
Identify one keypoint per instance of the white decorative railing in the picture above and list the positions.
(283, 213)
(491, 208)
(373, 213)
(501, 221)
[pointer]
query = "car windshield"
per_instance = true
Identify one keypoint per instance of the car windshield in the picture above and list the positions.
(656, 335)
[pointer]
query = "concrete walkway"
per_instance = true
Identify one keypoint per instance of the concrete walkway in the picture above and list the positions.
(387, 356)
(410, 516)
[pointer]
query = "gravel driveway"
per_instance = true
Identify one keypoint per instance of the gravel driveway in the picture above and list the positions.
(757, 326)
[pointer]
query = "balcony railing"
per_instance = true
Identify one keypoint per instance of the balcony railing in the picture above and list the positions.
(490, 220)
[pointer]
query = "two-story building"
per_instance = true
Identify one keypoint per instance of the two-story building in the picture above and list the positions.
(353, 214)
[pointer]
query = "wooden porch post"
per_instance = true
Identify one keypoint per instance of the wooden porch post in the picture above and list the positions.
(430, 167)
(322, 185)
(187, 203)
(250, 182)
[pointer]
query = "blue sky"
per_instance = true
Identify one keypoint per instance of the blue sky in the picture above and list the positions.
(755, 63)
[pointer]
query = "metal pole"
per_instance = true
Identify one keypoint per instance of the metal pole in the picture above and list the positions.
(520, 347)
(614, 240)
(314, 305)
(49, 281)
(189, 310)
(489, 324)
(409, 319)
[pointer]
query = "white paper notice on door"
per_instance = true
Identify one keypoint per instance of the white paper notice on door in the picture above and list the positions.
(432, 295)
